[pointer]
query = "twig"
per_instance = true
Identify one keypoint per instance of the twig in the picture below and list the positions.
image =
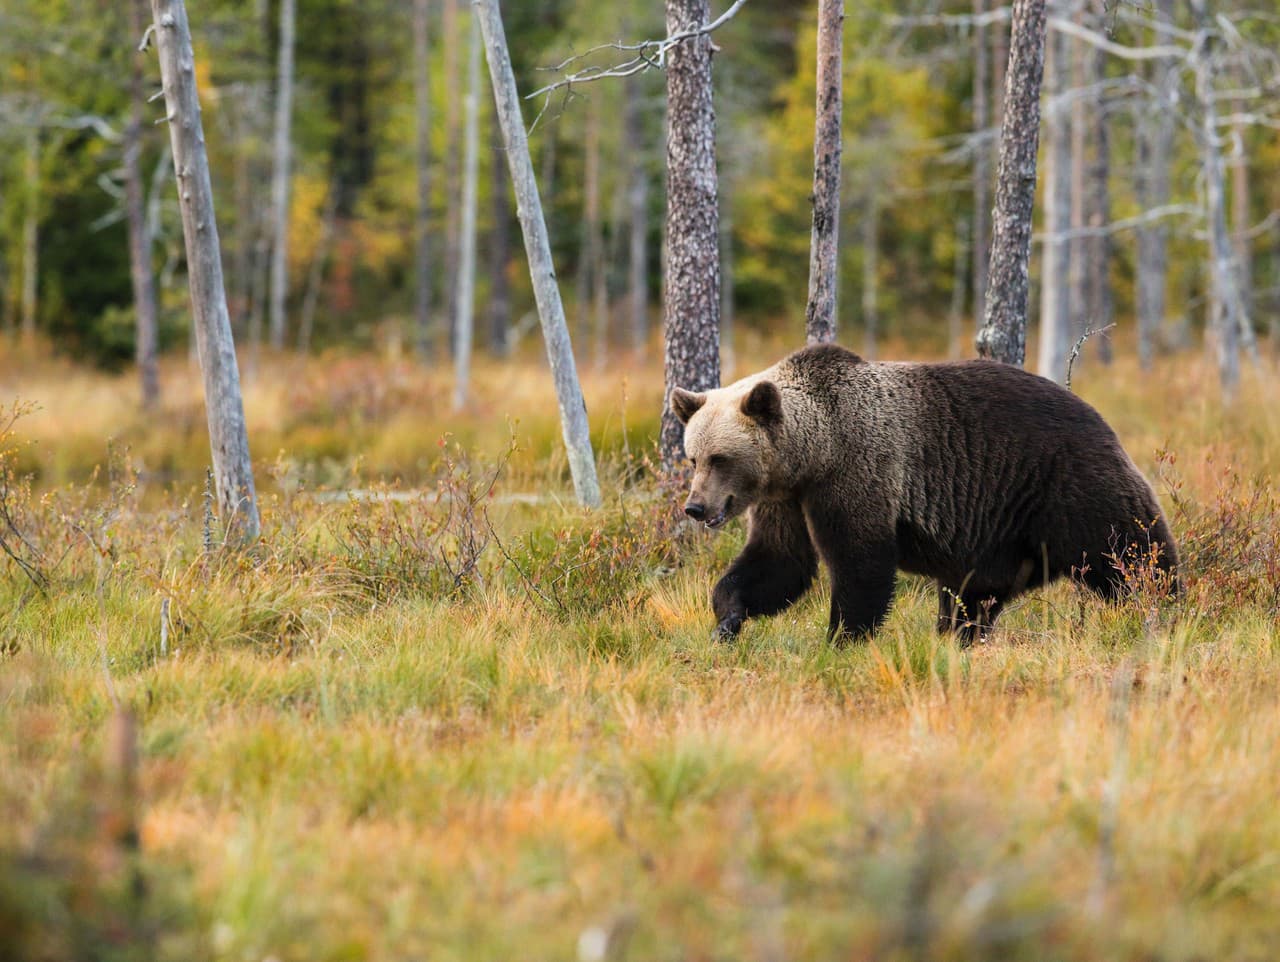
(1075, 351)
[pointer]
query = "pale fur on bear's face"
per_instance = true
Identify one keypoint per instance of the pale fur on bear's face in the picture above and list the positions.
(726, 438)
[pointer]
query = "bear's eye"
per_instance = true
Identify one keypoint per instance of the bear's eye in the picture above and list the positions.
(694, 463)
(717, 461)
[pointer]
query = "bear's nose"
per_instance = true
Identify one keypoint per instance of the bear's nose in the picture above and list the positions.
(696, 511)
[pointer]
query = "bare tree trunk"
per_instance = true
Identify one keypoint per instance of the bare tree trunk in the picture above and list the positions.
(280, 175)
(452, 157)
(824, 242)
(315, 273)
(692, 301)
(1004, 330)
(555, 332)
(638, 217)
(464, 320)
(422, 166)
(1155, 153)
(1074, 50)
(232, 469)
(981, 173)
(1100, 306)
(30, 236)
(1055, 264)
(144, 292)
(958, 279)
(871, 274)
(500, 249)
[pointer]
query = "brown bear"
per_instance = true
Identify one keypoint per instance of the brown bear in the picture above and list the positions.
(984, 477)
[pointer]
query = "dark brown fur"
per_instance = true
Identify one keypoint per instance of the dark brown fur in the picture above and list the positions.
(984, 477)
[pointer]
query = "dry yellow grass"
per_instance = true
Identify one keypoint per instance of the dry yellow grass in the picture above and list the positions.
(337, 767)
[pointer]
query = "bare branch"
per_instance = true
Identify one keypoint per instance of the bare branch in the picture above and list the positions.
(1115, 49)
(1127, 223)
(1075, 351)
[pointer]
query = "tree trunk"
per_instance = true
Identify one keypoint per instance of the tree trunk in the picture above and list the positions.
(692, 296)
(464, 320)
(981, 173)
(871, 274)
(555, 332)
(1155, 153)
(31, 237)
(500, 249)
(1055, 263)
(824, 241)
(638, 217)
(1240, 214)
(1004, 330)
(1100, 306)
(1226, 308)
(144, 292)
(422, 166)
(1074, 51)
(452, 156)
(232, 469)
(315, 273)
(280, 174)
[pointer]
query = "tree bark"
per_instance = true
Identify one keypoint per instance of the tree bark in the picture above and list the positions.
(1004, 330)
(981, 172)
(144, 292)
(30, 237)
(692, 295)
(638, 217)
(232, 469)
(1055, 263)
(824, 242)
(500, 249)
(464, 320)
(280, 175)
(555, 332)
(1155, 153)
(422, 167)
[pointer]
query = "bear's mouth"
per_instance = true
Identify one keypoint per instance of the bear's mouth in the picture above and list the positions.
(722, 517)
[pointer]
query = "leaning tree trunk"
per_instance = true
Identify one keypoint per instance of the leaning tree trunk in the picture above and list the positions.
(638, 219)
(1155, 154)
(1004, 330)
(1055, 263)
(692, 295)
(232, 469)
(824, 241)
(422, 166)
(464, 320)
(280, 175)
(144, 291)
(981, 170)
(555, 332)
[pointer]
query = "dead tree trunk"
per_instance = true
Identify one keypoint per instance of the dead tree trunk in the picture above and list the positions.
(555, 332)
(981, 171)
(1055, 263)
(1155, 153)
(692, 296)
(824, 241)
(280, 176)
(464, 320)
(500, 248)
(638, 217)
(1004, 330)
(232, 469)
(144, 291)
(422, 166)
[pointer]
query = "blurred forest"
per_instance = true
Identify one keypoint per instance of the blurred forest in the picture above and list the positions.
(922, 99)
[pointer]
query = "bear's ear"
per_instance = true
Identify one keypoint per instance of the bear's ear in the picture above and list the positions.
(764, 403)
(686, 404)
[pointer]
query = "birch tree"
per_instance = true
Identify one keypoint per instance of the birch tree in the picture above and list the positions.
(1055, 271)
(280, 174)
(824, 242)
(692, 281)
(1003, 336)
(555, 332)
(144, 294)
(232, 469)
(464, 319)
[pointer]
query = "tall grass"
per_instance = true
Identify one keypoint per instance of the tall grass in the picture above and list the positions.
(439, 720)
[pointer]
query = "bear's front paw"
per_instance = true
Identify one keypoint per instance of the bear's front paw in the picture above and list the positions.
(728, 628)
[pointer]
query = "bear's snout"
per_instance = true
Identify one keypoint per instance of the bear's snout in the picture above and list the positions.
(696, 510)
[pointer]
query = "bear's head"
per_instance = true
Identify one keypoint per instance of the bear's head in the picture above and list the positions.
(729, 437)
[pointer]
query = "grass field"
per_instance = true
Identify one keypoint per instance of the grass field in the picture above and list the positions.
(465, 725)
